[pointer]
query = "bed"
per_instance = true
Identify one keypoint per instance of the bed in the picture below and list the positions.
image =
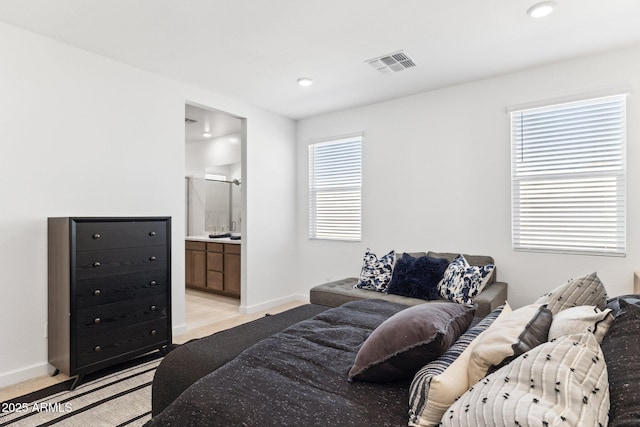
(298, 377)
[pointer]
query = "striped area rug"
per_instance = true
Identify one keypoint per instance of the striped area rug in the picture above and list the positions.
(120, 398)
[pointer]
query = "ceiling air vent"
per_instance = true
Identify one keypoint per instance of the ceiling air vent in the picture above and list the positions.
(392, 62)
(189, 121)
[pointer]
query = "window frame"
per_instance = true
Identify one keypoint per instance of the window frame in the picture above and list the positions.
(604, 179)
(339, 224)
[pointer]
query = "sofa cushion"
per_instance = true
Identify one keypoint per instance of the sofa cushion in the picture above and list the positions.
(462, 282)
(417, 277)
(408, 340)
(515, 334)
(585, 290)
(576, 320)
(376, 273)
(559, 383)
(439, 383)
(621, 348)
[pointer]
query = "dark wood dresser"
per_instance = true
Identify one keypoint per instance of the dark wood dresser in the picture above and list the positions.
(109, 291)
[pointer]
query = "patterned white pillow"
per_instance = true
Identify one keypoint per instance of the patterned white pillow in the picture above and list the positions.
(585, 290)
(559, 383)
(376, 272)
(462, 282)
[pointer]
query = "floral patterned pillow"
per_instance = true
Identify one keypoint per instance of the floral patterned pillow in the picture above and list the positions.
(462, 282)
(376, 272)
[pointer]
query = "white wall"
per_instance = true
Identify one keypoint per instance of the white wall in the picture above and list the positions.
(436, 176)
(82, 135)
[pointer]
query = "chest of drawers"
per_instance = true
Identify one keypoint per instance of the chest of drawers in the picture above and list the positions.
(109, 290)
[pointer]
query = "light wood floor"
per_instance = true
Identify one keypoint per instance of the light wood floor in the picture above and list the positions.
(205, 314)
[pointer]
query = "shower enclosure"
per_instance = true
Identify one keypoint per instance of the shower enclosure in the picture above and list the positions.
(212, 206)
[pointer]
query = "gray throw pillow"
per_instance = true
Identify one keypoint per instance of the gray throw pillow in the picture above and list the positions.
(410, 339)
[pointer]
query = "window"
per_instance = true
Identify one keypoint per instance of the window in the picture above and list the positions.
(568, 177)
(335, 178)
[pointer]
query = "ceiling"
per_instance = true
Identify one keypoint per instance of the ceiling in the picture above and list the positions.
(217, 123)
(254, 50)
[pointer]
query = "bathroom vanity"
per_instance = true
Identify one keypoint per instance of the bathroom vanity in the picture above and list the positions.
(213, 265)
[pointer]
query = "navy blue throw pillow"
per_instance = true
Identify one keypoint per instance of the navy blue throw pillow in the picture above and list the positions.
(417, 277)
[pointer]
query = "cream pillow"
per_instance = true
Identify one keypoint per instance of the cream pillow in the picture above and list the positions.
(514, 334)
(576, 320)
(431, 393)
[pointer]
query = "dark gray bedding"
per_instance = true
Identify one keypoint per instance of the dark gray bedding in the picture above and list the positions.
(188, 363)
(298, 377)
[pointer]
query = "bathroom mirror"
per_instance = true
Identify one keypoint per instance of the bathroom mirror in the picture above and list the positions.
(213, 163)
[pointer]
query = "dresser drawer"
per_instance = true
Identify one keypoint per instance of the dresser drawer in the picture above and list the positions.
(97, 348)
(102, 318)
(93, 264)
(105, 290)
(111, 235)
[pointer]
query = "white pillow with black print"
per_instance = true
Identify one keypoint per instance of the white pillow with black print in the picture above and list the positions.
(585, 290)
(462, 282)
(376, 272)
(559, 383)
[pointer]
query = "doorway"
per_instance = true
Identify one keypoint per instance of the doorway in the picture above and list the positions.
(214, 205)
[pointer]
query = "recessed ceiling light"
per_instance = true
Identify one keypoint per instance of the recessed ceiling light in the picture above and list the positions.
(305, 81)
(206, 134)
(541, 9)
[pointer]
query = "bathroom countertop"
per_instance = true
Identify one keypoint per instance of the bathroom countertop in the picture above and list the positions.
(215, 240)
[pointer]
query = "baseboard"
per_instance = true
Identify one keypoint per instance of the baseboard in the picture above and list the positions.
(179, 329)
(250, 309)
(25, 374)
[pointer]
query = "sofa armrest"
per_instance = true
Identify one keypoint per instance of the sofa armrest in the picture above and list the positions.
(491, 297)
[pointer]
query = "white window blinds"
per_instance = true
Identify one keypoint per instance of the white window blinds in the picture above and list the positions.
(335, 177)
(568, 177)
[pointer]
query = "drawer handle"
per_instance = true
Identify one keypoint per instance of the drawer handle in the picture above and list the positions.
(97, 349)
(97, 264)
(97, 320)
(153, 283)
(153, 308)
(97, 292)
(153, 332)
(152, 258)
(96, 236)
(152, 233)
